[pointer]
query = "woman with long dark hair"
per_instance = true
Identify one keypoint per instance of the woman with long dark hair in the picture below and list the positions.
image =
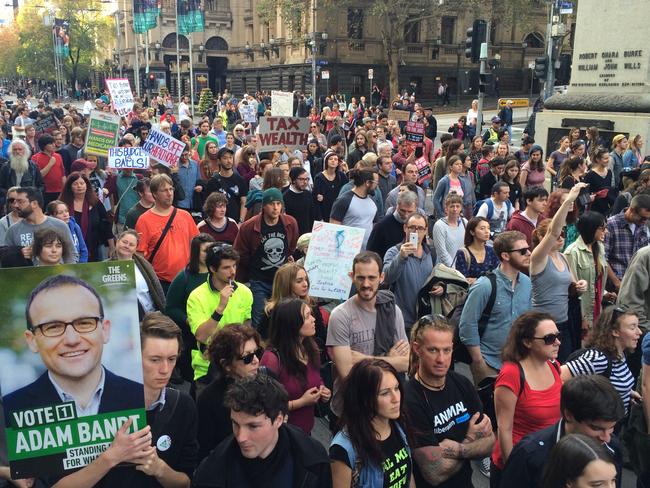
(293, 356)
(184, 283)
(523, 407)
(315, 157)
(572, 171)
(328, 184)
(601, 182)
(372, 430)
(615, 334)
(476, 258)
(578, 461)
(89, 213)
(586, 258)
(533, 172)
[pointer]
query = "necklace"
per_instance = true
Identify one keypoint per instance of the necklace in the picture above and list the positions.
(430, 386)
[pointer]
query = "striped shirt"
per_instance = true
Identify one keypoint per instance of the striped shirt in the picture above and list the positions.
(595, 362)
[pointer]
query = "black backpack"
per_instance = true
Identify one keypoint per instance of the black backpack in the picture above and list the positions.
(460, 351)
(579, 352)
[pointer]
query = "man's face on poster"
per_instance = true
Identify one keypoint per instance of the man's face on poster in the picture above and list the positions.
(77, 352)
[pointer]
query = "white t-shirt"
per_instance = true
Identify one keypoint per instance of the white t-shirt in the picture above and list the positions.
(88, 106)
(184, 112)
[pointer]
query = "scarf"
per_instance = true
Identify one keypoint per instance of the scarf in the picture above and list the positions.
(385, 323)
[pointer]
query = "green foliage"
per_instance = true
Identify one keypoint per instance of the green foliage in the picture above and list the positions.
(10, 43)
(292, 12)
(90, 32)
(205, 101)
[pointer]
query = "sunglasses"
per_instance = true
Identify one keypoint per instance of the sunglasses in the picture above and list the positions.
(523, 251)
(248, 358)
(549, 339)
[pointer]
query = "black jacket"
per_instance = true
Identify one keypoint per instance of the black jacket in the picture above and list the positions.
(311, 464)
(31, 178)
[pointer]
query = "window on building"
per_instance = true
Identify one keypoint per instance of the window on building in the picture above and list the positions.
(258, 83)
(412, 31)
(534, 40)
(243, 83)
(355, 23)
(448, 29)
(292, 83)
(357, 84)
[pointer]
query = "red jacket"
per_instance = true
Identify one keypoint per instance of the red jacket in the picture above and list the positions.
(250, 236)
(523, 225)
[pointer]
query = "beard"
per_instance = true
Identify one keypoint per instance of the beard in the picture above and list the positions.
(19, 164)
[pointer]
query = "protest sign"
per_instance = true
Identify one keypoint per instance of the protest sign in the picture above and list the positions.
(163, 148)
(121, 95)
(103, 131)
(329, 259)
(274, 133)
(424, 170)
(248, 113)
(45, 125)
(73, 328)
(414, 134)
(128, 158)
(399, 115)
(281, 104)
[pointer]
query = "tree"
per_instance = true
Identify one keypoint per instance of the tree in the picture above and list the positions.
(10, 43)
(90, 32)
(205, 100)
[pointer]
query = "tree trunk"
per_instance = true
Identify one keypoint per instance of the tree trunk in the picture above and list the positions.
(392, 60)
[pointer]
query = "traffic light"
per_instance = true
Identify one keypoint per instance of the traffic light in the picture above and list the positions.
(152, 80)
(564, 71)
(484, 79)
(541, 67)
(475, 36)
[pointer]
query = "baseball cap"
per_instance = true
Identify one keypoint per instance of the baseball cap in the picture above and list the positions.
(223, 151)
(496, 118)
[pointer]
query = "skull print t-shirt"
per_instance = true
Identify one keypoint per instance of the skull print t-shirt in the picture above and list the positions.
(271, 253)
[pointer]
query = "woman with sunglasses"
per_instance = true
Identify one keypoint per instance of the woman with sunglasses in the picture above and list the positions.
(527, 389)
(586, 258)
(615, 333)
(550, 274)
(292, 356)
(371, 450)
(234, 353)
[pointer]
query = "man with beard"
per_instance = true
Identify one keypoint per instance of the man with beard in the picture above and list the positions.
(202, 138)
(354, 208)
(367, 325)
(231, 184)
(299, 201)
(20, 171)
(29, 203)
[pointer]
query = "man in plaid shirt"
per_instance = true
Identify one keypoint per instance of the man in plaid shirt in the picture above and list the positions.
(627, 232)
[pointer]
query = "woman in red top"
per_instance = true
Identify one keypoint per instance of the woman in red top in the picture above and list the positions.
(529, 355)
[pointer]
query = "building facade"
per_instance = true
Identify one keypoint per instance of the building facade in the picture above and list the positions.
(241, 51)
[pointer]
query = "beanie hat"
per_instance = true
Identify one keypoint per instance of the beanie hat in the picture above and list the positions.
(271, 195)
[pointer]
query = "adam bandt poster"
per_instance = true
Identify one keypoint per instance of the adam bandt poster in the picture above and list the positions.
(102, 134)
(274, 133)
(329, 258)
(70, 364)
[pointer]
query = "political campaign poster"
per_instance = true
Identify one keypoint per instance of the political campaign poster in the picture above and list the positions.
(102, 133)
(46, 125)
(329, 258)
(281, 104)
(248, 113)
(121, 95)
(61, 31)
(70, 364)
(274, 133)
(414, 134)
(128, 158)
(424, 170)
(163, 148)
(399, 115)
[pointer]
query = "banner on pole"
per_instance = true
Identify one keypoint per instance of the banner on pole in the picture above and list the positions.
(189, 16)
(163, 148)
(61, 29)
(96, 303)
(121, 95)
(145, 15)
(128, 158)
(102, 133)
(281, 104)
(274, 133)
(329, 258)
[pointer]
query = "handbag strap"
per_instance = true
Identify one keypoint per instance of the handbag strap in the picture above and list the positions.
(162, 236)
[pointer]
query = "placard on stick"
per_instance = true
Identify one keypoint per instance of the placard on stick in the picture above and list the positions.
(103, 131)
(121, 95)
(128, 158)
(163, 148)
(281, 104)
(274, 133)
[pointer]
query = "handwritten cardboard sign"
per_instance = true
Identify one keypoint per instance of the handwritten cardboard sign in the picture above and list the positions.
(163, 148)
(121, 95)
(281, 103)
(128, 158)
(274, 133)
(329, 259)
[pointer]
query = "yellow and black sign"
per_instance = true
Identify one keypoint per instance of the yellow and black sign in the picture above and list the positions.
(516, 102)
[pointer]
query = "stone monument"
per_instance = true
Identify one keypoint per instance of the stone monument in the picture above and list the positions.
(610, 75)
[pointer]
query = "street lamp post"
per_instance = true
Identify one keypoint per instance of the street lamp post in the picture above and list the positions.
(460, 50)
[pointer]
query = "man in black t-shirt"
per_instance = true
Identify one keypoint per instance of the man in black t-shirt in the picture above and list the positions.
(231, 184)
(446, 414)
(299, 201)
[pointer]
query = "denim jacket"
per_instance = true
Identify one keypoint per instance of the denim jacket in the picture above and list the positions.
(370, 475)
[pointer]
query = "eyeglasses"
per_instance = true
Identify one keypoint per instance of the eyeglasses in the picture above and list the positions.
(416, 228)
(248, 358)
(303, 179)
(11, 200)
(549, 339)
(523, 251)
(83, 325)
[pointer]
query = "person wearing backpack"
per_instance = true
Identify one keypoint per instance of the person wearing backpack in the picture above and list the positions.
(497, 209)
(512, 298)
(615, 333)
(487, 181)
